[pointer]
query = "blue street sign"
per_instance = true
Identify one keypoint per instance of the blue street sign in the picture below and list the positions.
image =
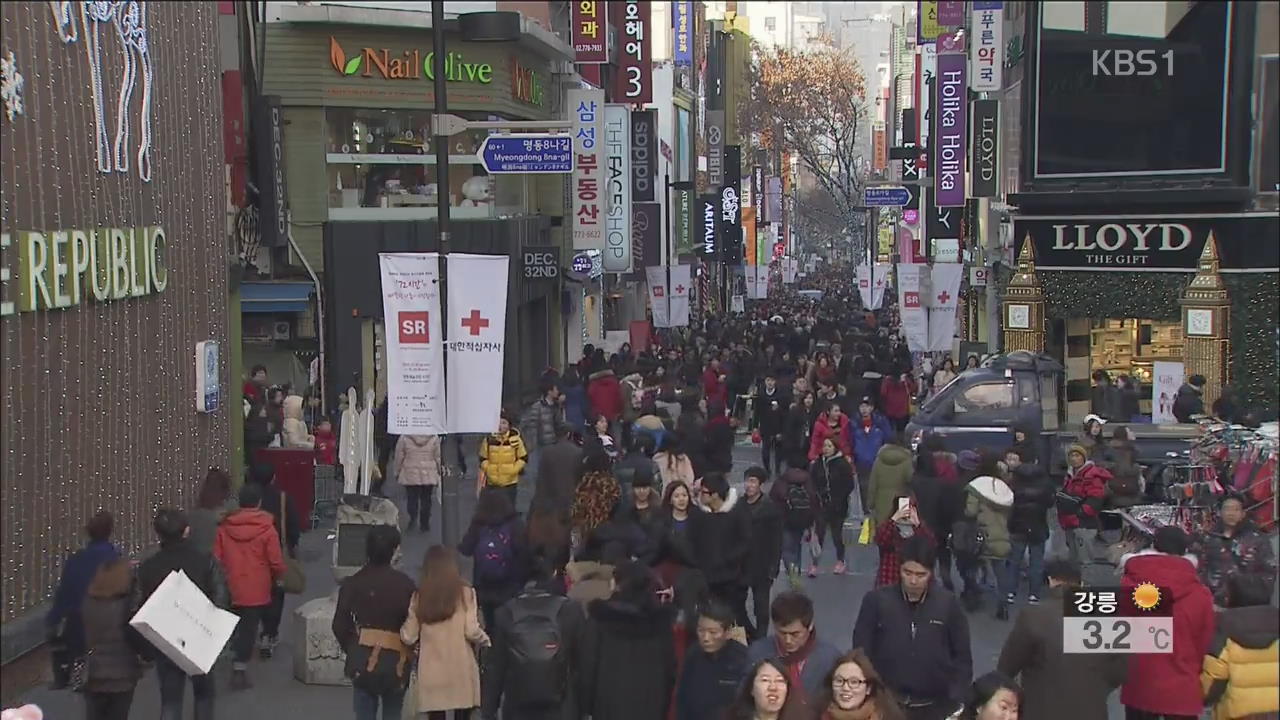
(893, 196)
(581, 263)
(527, 153)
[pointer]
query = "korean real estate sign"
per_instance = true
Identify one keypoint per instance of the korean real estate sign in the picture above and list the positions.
(950, 106)
(587, 181)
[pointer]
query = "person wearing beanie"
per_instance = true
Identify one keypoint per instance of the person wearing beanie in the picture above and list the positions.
(1080, 501)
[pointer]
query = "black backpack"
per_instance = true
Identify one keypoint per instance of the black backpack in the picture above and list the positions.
(967, 538)
(799, 506)
(538, 662)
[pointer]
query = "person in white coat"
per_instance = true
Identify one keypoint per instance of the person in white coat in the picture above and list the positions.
(417, 462)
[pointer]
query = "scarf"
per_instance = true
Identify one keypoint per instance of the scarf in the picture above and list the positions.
(866, 711)
(866, 423)
(794, 663)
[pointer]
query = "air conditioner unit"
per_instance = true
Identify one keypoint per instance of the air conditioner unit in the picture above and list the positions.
(281, 330)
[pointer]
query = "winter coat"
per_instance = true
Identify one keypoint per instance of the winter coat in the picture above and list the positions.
(822, 430)
(890, 478)
(672, 469)
(1084, 490)
(627, 663)
(202, 568)
(502, 458)
(714, 388)
(1241, 672)
(833, 480)
(1246, 551)
(575, 407)
(542, 422)
(941, 377)
(771, 410)
(1028, 449)
(248, 547)
(558, 470)
(326, 447)
(112, 645)
(779, 491)
(417, 460)
(448, 674)
(1105, 400)
(765, 553)
(720, 539)
(633, 465)
(797, 431)
(501, 671)
(866, 441)
(604, 395)
(376, 597)
(589, 580)
(1057, 686)
(718, 445)
(1125, 488)
(495, 591)
(295, 433)
(708, 681)
(990, 501)
(204, 524)
(671, 539)
(77, 573)
(1189, 401)
(895, 397)
(1032, 498)
(1169, 684)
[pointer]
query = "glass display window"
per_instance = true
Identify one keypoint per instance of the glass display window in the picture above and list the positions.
(1131, 346)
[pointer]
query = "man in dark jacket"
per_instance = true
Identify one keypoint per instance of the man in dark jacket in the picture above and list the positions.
(917, 636)
(372, 605)
(771, 405)
(637, 461)
(176, 553)
(1190, 399)
(765, 554)
(288, 522)
(1028, 528)
(558, 468)
(1058, 686)
(713, 669)
(63, 621)
(720, 536)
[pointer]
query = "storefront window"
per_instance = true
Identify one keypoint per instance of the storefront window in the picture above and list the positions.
(382, 166)
(1131, 346)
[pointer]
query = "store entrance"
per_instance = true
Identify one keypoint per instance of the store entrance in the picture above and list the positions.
(1131, 346)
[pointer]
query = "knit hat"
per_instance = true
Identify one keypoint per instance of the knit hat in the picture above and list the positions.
(1078, 448)
(968, 460)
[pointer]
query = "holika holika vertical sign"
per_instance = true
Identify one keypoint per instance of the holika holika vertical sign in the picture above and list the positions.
(948, 145)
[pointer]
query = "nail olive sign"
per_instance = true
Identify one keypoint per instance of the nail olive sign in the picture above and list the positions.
(406, 65)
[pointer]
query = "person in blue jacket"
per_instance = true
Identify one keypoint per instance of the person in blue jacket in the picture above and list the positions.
(575, 402)
(74, 585)
(713, 669)
(870, 430)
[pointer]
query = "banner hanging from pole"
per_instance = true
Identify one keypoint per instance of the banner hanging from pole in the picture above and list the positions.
(943, 304)
(477, 317)
(415, 358)
(676, 296)
(915, 323)
(871, 285)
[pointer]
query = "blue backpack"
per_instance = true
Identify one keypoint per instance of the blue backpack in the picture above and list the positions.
(495, 553)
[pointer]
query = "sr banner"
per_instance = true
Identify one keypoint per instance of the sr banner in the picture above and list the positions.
(675, 297)
(415, 358)
(871, 286)
(477, 312)
(915, 323)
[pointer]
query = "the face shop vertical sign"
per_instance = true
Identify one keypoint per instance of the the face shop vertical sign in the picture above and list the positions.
(949, 113)
(708, 208)
(644, 155)
(617, 152)
(986, 147)
(273, 200)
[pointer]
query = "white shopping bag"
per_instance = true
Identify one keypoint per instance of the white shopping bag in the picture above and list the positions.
(181, 622)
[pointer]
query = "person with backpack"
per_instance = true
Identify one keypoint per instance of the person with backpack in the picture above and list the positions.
(444, 622)
(795, 494)
(626, 660)
(112, 646)
(496, 541)
(529, 669)
(1028, 529)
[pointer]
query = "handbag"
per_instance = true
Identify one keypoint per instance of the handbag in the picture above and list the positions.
(294, 579)
(867, 532)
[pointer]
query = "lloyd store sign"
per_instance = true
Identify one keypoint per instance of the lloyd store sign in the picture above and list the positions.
(1159, 243)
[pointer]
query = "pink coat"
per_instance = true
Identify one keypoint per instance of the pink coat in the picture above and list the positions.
(418, 460)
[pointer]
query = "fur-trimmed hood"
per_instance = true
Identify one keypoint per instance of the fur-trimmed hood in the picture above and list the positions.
(992, 489)
(729, 502)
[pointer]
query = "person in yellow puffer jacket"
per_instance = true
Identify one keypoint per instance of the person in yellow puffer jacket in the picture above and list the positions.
(1241, 672)
(502, 458)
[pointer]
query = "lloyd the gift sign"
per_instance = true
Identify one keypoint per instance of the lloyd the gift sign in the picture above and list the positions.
(1169, 243)
(986, 127)
(635, 70)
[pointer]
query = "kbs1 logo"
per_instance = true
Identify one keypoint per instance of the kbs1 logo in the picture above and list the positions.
(414, 329)
(1131, 63)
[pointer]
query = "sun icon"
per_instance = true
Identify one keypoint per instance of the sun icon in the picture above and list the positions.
(1146, 597)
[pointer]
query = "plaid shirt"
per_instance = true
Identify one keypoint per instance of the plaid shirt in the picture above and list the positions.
(889, 540)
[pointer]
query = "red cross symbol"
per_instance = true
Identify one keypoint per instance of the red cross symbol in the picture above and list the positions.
(943, 297)
(474, 322)
(679, 289)
(657, 291)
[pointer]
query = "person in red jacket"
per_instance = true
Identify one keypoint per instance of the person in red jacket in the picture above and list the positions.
(248, 548)
(895, 399)
(1168, 685)
(1080, 501)
(832, 424)
(604, 395)
(713, 386)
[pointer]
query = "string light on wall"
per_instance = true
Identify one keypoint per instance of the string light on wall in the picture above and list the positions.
(11, 82)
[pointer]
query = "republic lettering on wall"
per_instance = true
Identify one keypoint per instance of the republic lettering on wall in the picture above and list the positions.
(986, 148)
(708, 213)
(1156, 243)
(949, 131)
(986, 46)
(587, 186)
(644, 155)
(590, 32)
(51, 268)
(730, 209)
(273, 198)
(634, 80)
(617, 151)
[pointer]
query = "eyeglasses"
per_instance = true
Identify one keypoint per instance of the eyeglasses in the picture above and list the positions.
(851, 683)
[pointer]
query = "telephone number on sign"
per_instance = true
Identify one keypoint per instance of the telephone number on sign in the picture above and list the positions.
(1090, 635)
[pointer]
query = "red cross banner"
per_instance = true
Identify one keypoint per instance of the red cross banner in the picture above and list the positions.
(871, 285)
(476, 313)
(662, 297)
(415, 351)
(943, 301)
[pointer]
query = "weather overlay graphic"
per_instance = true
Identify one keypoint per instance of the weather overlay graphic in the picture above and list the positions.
(1136, 619)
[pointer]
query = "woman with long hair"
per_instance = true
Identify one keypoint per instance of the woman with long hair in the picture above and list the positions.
(855, 691)
(549, 540)
(673, 462)
(212, 504)
(111, 645)
(797, 429)
(444, 623)
(994, 696)
(764, 694)
(595, 497)
(496, 540)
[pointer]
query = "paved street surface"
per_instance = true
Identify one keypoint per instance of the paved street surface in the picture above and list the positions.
(277, 695)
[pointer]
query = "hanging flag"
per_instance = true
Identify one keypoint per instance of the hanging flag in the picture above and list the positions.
(757, 278)
(871, 285)
(681, 285)
(656, 277)
(675, 296)
(943, 301)
(415, 358)
(477, 326)
(915, 323)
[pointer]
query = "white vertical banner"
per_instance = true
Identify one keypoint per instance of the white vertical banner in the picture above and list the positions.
(915, 321)
(790, 269)
(881, 282)
(757, 278)
(617, 188)
(681, 287)
(1166, 379)
(943, 302)
(864, 284)
(656, 277)
(587, 183)
(477, 324)
(986, 46)
(415, 357)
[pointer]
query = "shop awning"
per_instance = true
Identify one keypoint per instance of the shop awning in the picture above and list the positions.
(275, 297)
